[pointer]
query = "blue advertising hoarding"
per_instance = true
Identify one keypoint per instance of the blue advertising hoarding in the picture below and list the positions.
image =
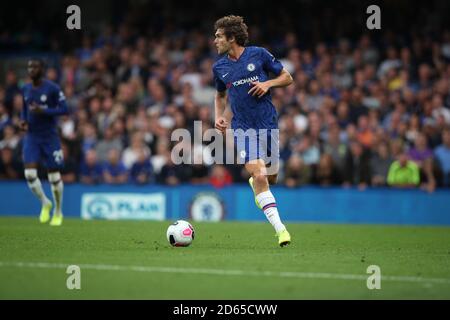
(311, 204)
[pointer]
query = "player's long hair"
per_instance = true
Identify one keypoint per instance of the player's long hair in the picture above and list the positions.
(233, 26)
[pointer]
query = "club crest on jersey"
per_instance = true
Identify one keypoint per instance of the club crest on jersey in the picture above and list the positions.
(250, 67)
(43, 98)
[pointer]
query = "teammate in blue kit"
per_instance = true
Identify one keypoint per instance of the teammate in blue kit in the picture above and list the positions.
(43, 101)
(242, 76)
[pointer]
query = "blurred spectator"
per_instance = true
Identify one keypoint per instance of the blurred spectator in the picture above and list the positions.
(380, 163)
(296, 172)
(365, 134)
(10, 138)
(335, 147)
(396, 147)
(391, 62)
(198, 171)
(403, 173)
(106, 144)
(427, 178)
(137, 146)
(5, 120)
(70, 168)
(11, 89)
(343, 114)
(308, 150)
(314, 99)
(413, 128)
(220, 177)
(67, 126)
(442, 154)
(199, 174)
(114, 171)
(89, 137)
(172, 174)
(10, 169)
(161, 155)
(420, 152)
(91, 171)
(357, 168)
(326, 172)
(439, 109)
(141, 171)
(357, 108)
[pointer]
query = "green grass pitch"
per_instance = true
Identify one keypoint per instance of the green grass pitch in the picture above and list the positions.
(227, 260)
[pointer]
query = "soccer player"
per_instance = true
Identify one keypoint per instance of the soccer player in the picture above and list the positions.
(43, 101)
(242, 76)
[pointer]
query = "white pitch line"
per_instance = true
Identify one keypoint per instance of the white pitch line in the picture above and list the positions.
(224, 272)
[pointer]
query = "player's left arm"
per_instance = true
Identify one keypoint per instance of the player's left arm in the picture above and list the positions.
(23, 115)
(60, 109)
(261, 88)
(271, 65)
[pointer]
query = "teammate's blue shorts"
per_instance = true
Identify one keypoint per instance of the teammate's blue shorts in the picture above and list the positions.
(257, 144)
(47, 149)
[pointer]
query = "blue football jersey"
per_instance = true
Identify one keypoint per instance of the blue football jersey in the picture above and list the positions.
(50, 97)
(254, 64)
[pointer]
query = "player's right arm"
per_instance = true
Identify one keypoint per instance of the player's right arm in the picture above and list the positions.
(23, 124)
(221, 114)
(220, 111)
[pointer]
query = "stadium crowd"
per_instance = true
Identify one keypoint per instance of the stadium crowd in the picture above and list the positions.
(359, 113)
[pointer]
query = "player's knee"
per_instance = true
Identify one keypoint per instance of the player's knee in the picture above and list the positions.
(30, 174)
(260, 179)
(54, 177)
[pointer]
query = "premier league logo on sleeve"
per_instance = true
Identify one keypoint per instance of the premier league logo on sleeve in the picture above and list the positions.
(250, 67)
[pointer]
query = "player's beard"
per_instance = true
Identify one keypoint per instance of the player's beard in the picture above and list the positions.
(223, 49)
(36, 77)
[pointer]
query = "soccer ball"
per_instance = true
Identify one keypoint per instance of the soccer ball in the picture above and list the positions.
(180, 233)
